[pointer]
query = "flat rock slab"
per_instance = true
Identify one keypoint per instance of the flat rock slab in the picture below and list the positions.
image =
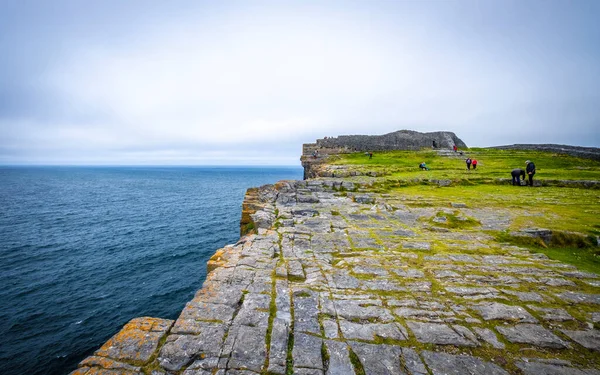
(447, 364)
(495, 310)
(537, 368)
(441, 334)
(137, 341)
(369, 331)
(378, 359)
(532, 334)
(580, 297)
(588, 339)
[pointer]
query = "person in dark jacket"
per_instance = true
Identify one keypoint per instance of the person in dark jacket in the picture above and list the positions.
(530, 169)
(517, 174)
(468, 161)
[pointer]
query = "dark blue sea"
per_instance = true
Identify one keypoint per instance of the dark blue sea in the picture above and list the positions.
(85, 249)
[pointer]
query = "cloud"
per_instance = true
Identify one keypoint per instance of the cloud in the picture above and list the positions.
(235, 82)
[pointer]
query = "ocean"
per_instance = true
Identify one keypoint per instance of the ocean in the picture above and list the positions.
(85, 249)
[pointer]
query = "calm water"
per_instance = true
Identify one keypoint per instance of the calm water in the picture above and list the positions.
(85, 249)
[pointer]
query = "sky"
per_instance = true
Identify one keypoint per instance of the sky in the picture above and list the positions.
(248, 82)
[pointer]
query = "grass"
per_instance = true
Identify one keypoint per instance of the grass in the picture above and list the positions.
(492, 164)
(559, 209)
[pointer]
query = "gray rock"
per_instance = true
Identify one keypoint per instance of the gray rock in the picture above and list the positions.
(278, 348)
(557, 315)
(441, 334)
(524, 296)
(249, 349)
(409, 273)
(180, 350)
(580, 297)
(556, 281)
(330, 327)
(489, 336)
(458, 205)
(495, 310)
(306, 312)
(378, 359)
(444, 274)
(364, 198)
(425, 246)
(352, 310)
(532, 334)
(368, 331)
(447, 364)
(307, 351)
(339, 359)
(588, 339)
(537, 368)
(413, 363)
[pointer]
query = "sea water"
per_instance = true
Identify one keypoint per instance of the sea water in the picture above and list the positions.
(85, 249)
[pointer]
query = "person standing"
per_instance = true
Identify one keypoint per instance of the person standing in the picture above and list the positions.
(455, 148)
(474, 163)
(517, 174)
(530, 169)
(468, 161)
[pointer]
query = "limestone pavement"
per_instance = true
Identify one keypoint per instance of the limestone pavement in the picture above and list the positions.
(348, 281)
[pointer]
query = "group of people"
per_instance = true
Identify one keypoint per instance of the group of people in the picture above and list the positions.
(471, 163)
(518, 173)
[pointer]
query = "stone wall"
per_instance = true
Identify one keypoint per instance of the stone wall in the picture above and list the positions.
(399, 140)
(577, 151)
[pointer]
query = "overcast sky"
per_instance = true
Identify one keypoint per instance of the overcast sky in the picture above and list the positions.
(227, 82)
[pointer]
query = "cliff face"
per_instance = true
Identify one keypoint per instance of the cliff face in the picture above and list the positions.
(399, 140)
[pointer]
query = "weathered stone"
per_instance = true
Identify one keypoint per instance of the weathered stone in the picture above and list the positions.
(278, 346)
(532, 334)
(495, 310)
(524, 296)
(425, 246)
(249, 349)
(556, 281)
(339, 359)
(588, 339)
(580, 297)
(307, 351)
(137, 341)
(378, 359)
(409, 273)
(330, 327)
(180, 350)
(352, 310)
(107, 363)
(447, 364)
(369, 331)
(557, 315)
(441, 334)
(412, 362)
(489, 336)
(538, 368)
(306, 312)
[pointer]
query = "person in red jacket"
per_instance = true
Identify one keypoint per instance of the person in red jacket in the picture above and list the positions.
(474, 163)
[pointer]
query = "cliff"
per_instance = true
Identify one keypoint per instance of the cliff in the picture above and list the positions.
(350, 276)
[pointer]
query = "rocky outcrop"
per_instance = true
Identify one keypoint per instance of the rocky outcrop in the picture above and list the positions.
(333, 282)
(577, 151)
(315, 154)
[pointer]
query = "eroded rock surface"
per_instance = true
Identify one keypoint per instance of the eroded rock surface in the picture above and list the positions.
(328, 284)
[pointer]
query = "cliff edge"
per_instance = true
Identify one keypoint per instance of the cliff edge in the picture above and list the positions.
(348, 276)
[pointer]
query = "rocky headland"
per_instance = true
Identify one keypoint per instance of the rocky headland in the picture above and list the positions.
(336, 275)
